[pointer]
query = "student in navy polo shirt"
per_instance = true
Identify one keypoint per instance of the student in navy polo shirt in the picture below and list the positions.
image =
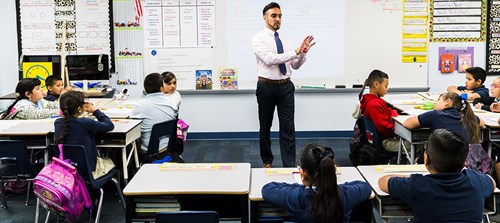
(453, 113)
(474, 84)
(449, 193)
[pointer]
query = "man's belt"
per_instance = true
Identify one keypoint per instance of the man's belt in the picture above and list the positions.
(278, 82)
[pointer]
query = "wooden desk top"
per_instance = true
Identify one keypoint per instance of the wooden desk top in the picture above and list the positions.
(115, 108)
(262, 176)
(151, 179)
(124, 125)
(373, 173)
(26, 127)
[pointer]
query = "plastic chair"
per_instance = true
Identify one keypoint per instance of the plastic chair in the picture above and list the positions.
(159, 134)
(15, 165)
(77, 155)
(187, 217)
(371, 136)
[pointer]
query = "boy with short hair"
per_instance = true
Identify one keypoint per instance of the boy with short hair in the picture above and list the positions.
(153, 109)
(474, 84)
(376, 109)
(449, 193)
(54, 86)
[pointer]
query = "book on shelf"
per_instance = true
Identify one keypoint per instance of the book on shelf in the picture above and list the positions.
(228, 78)
(157, 209)
(204, 80)
(157, 205)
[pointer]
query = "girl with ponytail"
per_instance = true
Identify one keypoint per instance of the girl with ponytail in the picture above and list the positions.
(453, 113)
(320, 199)
(71, 129)
(29, 103)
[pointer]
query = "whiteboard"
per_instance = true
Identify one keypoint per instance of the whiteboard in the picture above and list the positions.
(353, 37)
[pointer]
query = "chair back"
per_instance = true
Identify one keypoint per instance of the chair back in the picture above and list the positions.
(163, 134)
(187, 217)
(77, 155)
(15, 150)
(370, 134)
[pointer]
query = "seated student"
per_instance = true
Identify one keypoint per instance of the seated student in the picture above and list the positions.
(449, 193)
(453, 113)
(154, 108)
(29, 103)
(81, 131)
(485, 103)
(172, 93)
(474, 84)
(375, 108)
(54, 86)
(320, 199)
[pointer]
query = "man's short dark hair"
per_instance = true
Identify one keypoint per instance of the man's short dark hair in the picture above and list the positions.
(270, 6)
(52, 79)
(478, 73)
(153, 82)
(447, 151)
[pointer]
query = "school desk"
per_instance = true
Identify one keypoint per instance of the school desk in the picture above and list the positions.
(262, 176)
(36, 130)
(414, 136)
(195, 186)
(389, 208)
(114, 108)
(492, 128)
(125, 133)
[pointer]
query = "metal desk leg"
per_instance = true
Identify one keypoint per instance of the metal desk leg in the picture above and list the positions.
(46, 151)
(399, 151)
(125, 164)
(37, 212)
(136, 156)
(490, 147)
(412, 153)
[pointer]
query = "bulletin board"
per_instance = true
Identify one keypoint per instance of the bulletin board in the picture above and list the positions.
(88, 28)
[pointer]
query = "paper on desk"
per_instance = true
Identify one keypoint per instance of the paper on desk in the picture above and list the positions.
(434, 96)
(415, 112)
(118, 112)
(408, 102)
(400, 168)
(280, 171)
(196, 166)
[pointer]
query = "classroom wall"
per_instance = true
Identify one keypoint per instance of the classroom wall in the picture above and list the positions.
(238, 112)
(8, 58)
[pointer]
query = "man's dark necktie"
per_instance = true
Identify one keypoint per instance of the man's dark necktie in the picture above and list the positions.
(279, 45)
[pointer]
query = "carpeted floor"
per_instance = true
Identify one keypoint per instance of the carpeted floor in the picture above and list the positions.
(198, 151)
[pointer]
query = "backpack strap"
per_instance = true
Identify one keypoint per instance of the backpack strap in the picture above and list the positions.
(60, 151)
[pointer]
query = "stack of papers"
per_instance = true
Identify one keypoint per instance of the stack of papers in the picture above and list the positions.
(432, 96)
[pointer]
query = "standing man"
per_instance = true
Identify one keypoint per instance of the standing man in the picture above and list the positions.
(275, 58)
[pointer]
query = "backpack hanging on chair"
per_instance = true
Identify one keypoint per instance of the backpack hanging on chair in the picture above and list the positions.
(478, 159)
(61, 189)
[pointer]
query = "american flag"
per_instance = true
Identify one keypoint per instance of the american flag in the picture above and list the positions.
(138, 10)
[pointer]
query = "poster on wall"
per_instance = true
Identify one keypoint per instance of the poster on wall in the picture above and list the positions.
(414, 47)
(457, 21)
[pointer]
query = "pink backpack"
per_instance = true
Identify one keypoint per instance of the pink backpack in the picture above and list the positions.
(61, 189)
(182, 128)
